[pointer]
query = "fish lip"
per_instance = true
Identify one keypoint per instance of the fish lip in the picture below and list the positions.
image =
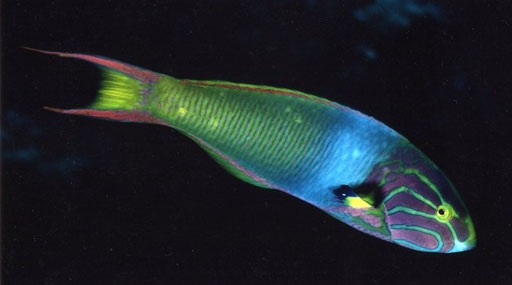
(463, 246)
(470, 242)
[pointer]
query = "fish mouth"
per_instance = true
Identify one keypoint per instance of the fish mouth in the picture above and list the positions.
(470, 242)
(463, 246)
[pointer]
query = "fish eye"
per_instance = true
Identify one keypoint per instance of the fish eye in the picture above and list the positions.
(444, 213)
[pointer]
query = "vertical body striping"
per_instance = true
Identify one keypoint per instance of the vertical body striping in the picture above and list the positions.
(290, 140)
(317, 150)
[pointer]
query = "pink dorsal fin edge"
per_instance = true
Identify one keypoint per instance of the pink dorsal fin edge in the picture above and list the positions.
(130, 70)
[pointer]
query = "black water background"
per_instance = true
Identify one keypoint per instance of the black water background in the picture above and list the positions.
(89, 201)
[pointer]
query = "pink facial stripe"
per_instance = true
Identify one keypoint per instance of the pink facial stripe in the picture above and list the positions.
(418, 238)
(427, 223)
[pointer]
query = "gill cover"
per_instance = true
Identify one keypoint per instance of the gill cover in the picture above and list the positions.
(423, 210)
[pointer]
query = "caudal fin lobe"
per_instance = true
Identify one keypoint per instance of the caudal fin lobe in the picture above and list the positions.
(123, 93)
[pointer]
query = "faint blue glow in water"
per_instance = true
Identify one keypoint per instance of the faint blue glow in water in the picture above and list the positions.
(368, 53)
(24, 154)
(22, 123)
(23, 143)
(459, 82)
(396, 13)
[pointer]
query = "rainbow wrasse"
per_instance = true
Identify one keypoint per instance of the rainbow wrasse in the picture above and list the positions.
(343, 162)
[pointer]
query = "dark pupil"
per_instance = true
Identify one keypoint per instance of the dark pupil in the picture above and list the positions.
(441, 212)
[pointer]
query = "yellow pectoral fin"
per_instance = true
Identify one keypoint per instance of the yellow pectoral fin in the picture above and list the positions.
(356, 202)
(346, 195)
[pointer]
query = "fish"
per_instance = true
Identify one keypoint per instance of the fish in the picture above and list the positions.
(345, 163)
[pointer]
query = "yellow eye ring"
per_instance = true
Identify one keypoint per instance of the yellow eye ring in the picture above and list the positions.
(444, 213)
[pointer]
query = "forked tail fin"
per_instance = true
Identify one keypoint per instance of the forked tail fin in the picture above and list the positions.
(124, 90)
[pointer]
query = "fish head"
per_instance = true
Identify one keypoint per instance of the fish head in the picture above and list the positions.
(422, 209)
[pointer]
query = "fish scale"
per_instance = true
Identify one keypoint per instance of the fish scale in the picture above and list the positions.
(240, 114)
(345, 163)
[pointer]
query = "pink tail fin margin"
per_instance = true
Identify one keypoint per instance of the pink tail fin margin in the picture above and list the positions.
(143, 75)
(123, 116)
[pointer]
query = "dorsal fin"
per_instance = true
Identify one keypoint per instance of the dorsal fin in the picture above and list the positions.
(262, 89)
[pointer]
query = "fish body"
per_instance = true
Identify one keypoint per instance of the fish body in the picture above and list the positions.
(346, 163)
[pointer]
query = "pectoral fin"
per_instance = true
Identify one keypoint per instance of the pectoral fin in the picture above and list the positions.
(356, 210)
(346, 195)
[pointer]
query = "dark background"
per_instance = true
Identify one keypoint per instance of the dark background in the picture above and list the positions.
(88, 201)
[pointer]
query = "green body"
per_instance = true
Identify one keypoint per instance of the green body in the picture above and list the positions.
(271, 137)
(349, 165)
